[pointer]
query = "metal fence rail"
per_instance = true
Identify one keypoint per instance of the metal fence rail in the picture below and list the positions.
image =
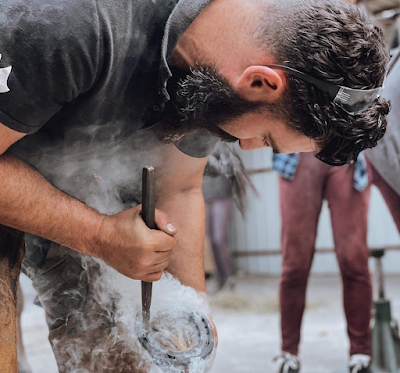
(255, 253)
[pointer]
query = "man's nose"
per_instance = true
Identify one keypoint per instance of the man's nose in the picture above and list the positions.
(251, 144)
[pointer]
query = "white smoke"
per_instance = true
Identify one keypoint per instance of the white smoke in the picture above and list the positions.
(108, 338)
(104, 337)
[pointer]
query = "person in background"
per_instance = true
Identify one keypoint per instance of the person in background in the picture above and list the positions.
(218, 197)
(225, 182)
(304, 183)
(384, 162)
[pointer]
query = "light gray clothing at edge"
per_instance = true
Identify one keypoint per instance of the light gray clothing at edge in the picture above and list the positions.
(385, 157)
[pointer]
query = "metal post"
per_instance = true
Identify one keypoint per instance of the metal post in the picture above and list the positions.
(384, 347)
(380, 278)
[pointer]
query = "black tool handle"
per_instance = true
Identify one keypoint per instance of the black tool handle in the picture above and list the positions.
(148, 215)
(149, 197)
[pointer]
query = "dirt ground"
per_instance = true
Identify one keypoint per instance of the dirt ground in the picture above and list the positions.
(248, 326)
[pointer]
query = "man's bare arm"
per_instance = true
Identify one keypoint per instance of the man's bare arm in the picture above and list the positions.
(180, 193)
(31, 204)
(182, 199)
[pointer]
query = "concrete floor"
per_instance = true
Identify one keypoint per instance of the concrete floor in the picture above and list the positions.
(248, 326)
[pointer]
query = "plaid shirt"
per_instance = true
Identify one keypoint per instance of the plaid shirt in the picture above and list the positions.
(286, 166)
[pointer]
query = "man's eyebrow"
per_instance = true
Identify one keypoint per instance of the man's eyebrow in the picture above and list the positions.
(273, 144)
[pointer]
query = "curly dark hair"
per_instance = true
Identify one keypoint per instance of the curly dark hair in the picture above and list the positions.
(336, 42)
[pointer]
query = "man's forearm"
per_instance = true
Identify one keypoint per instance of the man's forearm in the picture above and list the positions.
(187, 212)
(31, 204)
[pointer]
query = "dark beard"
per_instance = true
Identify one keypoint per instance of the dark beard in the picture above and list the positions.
(201, 99)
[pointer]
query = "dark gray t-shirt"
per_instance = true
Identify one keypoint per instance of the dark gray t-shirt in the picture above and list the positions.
(74, 73)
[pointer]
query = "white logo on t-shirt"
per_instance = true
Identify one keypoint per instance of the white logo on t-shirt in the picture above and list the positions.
(4, 75)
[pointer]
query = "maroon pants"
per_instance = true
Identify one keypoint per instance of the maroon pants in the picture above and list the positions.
(301, 202)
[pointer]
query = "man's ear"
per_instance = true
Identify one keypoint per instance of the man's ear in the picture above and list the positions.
(261, 83)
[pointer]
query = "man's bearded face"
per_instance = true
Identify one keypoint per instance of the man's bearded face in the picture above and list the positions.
(201, 99)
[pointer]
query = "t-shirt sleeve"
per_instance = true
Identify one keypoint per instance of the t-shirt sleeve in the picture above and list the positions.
(48, 57)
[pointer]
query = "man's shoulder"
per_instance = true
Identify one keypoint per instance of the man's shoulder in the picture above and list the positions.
(28, 21)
